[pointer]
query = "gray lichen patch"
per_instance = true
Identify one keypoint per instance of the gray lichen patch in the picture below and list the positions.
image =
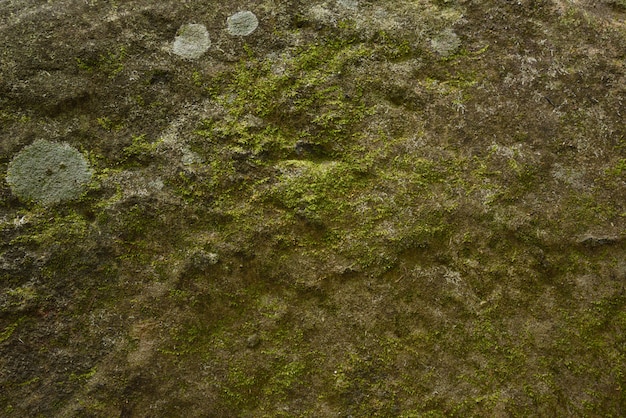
(242, 23)
(192, 41)
(48, 172)
(445, 43)
(348, 4)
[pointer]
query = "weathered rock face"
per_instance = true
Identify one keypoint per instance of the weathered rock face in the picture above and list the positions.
(320, 208)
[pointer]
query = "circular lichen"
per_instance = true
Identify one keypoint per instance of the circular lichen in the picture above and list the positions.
(242, 23)
(348, 4)
(445, 43)
(192, 41)
(48, 172)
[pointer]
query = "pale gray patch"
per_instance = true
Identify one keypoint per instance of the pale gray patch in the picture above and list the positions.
(348, 4)
(190, 158)
(48, 172)
(445, 43)
(242, 23)
(136, 184)
(192, 41)
(323, 15)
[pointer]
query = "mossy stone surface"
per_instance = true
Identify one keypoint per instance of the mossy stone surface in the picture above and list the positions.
(367, 208)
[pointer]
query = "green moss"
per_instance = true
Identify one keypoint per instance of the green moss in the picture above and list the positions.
(109, 64)
(141, 150)
(315, 190)
(65, 228)
(109, 125)
(240, 384)
(8, 331)
(13, 116)
(618, 4)
(30, 381)
(280, 383)
(618, 169)
(21, 297)
(306, 92)
(84, 376)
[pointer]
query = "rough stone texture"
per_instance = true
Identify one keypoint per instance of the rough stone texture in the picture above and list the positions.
(393, 208)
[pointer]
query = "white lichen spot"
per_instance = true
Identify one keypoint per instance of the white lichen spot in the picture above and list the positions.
(445, 43)
(242, 23)
(322, 15)
(47, 173)
(212, 258)
(190, 158)
(348, 4)
(192, 40)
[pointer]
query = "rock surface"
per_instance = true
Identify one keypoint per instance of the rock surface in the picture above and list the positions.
(335, 208)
